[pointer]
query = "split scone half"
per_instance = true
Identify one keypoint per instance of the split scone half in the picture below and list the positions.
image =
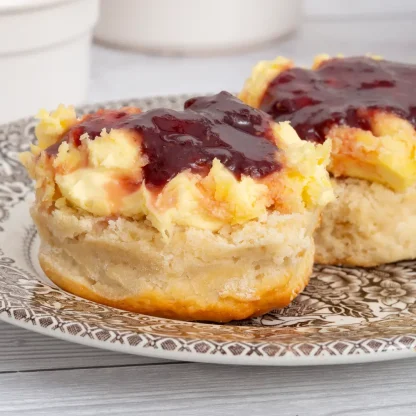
(202, 214)
(367, 107)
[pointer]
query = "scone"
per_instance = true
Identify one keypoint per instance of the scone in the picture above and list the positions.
(202, 214)
(367, 106)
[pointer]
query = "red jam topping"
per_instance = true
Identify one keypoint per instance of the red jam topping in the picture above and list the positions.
(342, 92)
(218, 126)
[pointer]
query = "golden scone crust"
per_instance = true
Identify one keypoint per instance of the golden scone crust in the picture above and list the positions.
(373, 220)
(202, 214)
(368, 224)
(236, 273)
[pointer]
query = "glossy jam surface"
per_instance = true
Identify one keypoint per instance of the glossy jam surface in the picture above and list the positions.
(341, 91)
(218, 126)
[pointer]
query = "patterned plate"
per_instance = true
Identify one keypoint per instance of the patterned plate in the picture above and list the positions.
(345, 315)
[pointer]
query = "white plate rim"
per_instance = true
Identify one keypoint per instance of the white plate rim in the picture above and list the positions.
(393, 349)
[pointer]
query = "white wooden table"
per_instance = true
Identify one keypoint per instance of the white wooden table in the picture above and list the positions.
(44, 376)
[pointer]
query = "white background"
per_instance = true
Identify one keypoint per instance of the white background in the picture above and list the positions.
(363, 8)
(383, 27)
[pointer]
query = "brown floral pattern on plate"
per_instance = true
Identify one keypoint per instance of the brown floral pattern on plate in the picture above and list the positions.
(343, 313)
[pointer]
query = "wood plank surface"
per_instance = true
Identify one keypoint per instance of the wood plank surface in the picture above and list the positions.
(198, 389)
(22, 350)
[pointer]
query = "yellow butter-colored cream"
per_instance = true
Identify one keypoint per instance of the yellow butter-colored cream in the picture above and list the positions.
(90, 178)
(386, 155)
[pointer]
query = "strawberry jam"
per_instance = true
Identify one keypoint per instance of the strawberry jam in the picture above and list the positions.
(342, 92)
(218, 126)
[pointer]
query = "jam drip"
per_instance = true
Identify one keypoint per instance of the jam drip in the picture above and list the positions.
(341, 91)
(218, 126)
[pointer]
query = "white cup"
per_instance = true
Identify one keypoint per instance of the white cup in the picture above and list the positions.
(190, 27)
(44, 54)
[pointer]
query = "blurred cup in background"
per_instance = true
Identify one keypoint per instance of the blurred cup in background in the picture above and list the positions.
(44, 54)
(195, 27)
